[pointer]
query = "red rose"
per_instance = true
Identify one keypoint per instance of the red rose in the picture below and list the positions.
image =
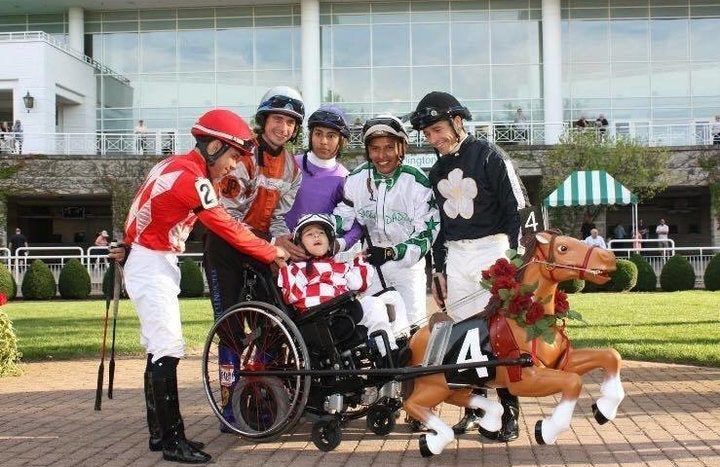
(503, 282)
(520, 303)
(3, 299)
(561, 302)
(503, 267)
(486, 274)
(535, 313)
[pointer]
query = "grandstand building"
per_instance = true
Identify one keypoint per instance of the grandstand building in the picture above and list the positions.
(80, 74)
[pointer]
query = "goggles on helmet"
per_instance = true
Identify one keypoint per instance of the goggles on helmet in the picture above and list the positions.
(384, 126)
(329, 119)
(280, 103)
(423, 118)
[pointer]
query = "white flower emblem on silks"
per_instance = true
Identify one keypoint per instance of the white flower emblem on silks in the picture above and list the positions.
(459, 193)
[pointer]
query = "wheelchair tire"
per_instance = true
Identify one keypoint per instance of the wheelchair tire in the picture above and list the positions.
(326, 435)
(381, 420)
(255, 336)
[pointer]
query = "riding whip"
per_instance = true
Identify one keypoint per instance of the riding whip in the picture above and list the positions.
(117, 286)
(101, 368)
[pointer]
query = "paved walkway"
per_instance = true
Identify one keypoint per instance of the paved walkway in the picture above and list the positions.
(671, 417)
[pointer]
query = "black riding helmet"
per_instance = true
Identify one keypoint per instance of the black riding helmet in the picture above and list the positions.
(436, 106)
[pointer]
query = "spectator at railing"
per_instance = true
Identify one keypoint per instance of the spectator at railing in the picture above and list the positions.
(594, 239)
(18, 240)
(6, 139)
(18, 135)
(521, 125)
(716, 131)
(601, 124)
(141, 134)
(581, 123)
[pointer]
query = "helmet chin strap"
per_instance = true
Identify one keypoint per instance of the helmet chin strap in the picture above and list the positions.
(210, 159)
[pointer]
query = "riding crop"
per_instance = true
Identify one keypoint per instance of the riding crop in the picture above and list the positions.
(117, 286)
(101, 368)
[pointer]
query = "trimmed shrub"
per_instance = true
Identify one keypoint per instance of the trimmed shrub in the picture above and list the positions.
(9, 355)
(74, 281)
(109, 282)
(8, 286)
(572, 286)
(38, 283)
(677, 274)
(712, 274)
(646, 278)
(623, 278)
(191, 279)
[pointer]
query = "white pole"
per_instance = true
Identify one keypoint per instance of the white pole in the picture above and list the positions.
(310, 50)
(552, 70)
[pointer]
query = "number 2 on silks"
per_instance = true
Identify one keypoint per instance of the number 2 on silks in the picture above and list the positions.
(206, 192)
(531, 220)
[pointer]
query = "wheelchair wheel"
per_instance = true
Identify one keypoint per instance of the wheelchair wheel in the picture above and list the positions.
(381, 419)
(255, 336)
(326, 435)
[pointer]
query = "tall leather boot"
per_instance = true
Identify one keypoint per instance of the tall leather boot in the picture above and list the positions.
(471, 419)
(511, 411)
(167, 410)
(155, 442)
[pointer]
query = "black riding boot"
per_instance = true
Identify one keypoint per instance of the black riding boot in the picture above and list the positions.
(471, 419)
(167, 411)
(511, 411)
(155, 443)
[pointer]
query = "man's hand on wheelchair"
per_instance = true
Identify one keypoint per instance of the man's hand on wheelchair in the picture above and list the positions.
(377, 256)
(295, 252)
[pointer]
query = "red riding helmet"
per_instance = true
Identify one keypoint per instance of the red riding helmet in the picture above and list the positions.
(226, 126)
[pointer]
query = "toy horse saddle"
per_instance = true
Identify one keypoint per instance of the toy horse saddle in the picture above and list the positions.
(469, 342)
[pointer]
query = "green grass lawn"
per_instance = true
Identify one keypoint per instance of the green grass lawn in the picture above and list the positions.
(682, 327)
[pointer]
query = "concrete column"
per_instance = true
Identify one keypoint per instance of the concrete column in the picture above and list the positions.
(552, 70)
(4, 227)
(76, 28)
(310, 31)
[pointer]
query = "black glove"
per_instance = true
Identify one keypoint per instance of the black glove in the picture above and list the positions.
(377, 256)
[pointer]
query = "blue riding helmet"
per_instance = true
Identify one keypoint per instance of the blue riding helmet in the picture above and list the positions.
(330, 116)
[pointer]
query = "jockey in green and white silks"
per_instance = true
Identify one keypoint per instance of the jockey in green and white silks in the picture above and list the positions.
(396, 205)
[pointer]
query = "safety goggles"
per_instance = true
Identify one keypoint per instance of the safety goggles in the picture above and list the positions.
(320, 117)
(425, 117)
(247, 146)
(284, 103)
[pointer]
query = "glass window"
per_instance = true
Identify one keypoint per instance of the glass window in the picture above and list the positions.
(391, 84)
(670, 79)
(430, 12)
(273, 48)
(669, 39)
(630, 80)
(195, 49)
(235, 88)
(391, 45)
(429, 78)
(325, 46)
(515, 81)
(590, 80)
(430, 44)
(630, 40)
(703, 37)
(351, 46)
(159, 90)
(390, 12)
(120, 15)
(471, 82)
(351, 85)
(470, 43)
(589, 41)
(234, 49)
(234, 22)
(157, 51)
(120, 52)
(196, 89)
(705, 79)
(515, 42)
(158, 25)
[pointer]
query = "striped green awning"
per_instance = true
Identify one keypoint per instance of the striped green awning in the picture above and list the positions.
(594, 187)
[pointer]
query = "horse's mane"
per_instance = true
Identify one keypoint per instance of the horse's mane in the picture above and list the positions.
(529, 242)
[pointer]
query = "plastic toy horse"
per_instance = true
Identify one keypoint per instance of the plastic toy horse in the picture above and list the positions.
(550, 258)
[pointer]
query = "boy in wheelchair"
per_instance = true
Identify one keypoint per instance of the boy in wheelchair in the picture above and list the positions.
(320, 279)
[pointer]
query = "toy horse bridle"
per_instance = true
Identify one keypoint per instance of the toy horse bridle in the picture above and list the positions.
(550, 263)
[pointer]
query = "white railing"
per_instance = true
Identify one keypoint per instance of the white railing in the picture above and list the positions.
(171, 141)
(95, 261)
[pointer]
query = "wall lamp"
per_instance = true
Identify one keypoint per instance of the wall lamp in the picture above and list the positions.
(29, 101)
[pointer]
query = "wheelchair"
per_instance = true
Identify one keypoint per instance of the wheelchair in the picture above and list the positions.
(265, 366)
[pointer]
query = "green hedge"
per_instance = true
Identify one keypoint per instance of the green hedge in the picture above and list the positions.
(677, 274)
(712, 274)
(646, 278)
(8, 286)
(572, 286)
(38, 283)
(623, 278)
(74, 281)
(191, 279)
(9, 355)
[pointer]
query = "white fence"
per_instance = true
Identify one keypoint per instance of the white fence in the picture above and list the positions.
(96, 263)
(94, 259)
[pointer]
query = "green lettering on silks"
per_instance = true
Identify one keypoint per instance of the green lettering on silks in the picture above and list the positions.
(367, 214)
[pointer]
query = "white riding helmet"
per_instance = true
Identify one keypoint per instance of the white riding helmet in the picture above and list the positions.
(324, 221)
(384, 125)
(284, 100)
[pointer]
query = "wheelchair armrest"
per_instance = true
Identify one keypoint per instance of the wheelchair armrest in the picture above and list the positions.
(324, 308)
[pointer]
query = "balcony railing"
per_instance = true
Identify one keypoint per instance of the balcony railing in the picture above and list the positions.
(170, 141)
